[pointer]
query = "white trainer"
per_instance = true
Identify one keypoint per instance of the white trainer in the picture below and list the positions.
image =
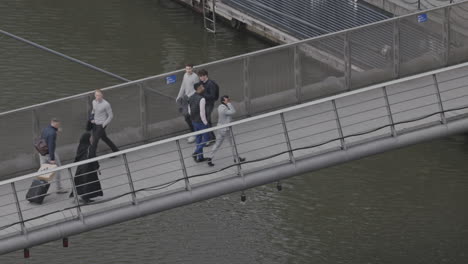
(191, 140)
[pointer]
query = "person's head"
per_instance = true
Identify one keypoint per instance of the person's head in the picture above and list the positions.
(189, 68)
(225, 99)
(203, 74)
(98, 94)
(199, 88)
(55, 122)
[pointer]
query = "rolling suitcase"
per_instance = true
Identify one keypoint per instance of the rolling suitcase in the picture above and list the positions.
(38, 191)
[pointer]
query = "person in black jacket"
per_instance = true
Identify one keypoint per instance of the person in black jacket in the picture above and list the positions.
(86, 176)
(49, 134)
(211, 95)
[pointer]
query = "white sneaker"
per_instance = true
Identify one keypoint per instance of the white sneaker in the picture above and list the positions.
(191, 140)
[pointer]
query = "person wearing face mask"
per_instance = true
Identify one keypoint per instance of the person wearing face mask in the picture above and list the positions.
(225, 113)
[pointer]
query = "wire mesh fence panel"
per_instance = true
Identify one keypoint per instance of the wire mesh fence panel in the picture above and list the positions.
(372, 58)
(161, 111)
(321, 67)
(126, 126)
(8, 211)
(271, 81)
(18, 156)
(414, 103)
(453, 91)
(54, 207)
(263, 142)
(312, 129)
(458, 21)
(163, 117)
(157, 169)
(421, 42)
(364, 117)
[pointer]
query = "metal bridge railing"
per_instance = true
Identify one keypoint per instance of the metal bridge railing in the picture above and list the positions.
(283, 136)
(282, 76)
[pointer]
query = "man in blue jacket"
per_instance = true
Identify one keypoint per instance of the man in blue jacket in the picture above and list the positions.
(49, 134)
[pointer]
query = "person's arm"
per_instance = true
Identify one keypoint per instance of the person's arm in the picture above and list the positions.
(110, 115)
(229, 109)
(92, 111)
(203, 111)
(210, 92)
(181, 91)
(51, 145)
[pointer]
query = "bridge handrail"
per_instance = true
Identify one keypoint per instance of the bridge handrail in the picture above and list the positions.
(243, 121)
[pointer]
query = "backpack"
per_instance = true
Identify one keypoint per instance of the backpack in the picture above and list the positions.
(41, 146)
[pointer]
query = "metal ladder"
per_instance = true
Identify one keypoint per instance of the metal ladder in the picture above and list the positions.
(209, 15)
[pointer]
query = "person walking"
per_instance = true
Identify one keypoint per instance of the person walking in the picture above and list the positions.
(197, 111)
(211, 95)
(101, 116)
(49, 135)
(86, 176)
(225, 112)
(186, 90)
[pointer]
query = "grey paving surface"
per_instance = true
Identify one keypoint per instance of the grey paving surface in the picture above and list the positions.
(157, 170)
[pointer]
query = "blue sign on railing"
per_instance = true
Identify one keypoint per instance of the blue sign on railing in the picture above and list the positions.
(422, 18)
(171, 79)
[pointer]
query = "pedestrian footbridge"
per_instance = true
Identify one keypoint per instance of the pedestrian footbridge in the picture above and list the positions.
(162, 175)
(298, 112)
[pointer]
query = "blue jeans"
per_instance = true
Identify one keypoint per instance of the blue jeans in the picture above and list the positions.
(201, 139)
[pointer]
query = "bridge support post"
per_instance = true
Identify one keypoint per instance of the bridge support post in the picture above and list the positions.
(288, 141)
(130, 181)
(396, 49)
(36, 132)
(443, 120)
(184, 168)
(246, 86)
(234, 145)
(446, 35)
(297, 74)
(338, 125)
(347, 61)
(143, 119)
(18, 208)
(389, 110)
(77, 201)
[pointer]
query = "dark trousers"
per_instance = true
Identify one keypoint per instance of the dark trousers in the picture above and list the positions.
(99, 132)
(189, 122)
(209, 110)
(200, 140)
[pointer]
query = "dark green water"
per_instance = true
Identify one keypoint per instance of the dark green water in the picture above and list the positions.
(405, 206)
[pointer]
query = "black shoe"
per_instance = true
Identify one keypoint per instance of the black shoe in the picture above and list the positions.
(202, 160)
(210, 163)
(240, 159)
(194, 156)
